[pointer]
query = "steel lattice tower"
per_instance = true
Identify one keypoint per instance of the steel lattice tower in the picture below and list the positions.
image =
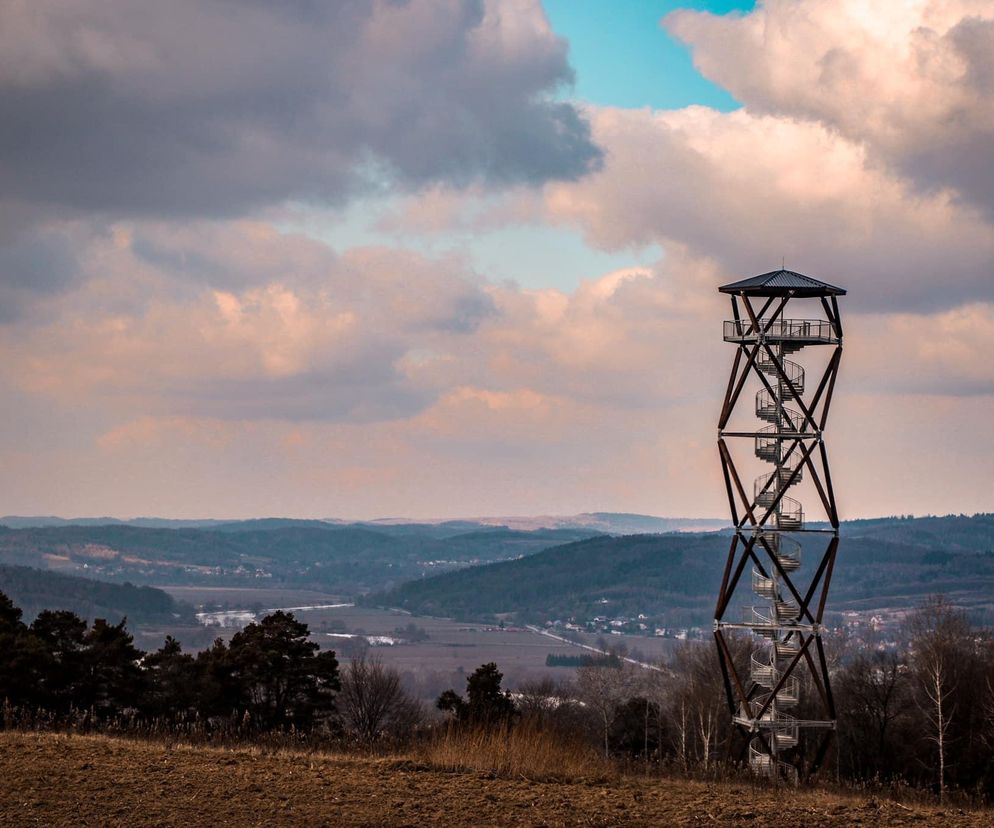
(765, 698)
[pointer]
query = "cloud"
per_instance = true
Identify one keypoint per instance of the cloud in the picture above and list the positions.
(149, 431)
(912, 82)
(202, 108)
(384, 381)
(302, 334)
(278, 326)
(375, 381)
(33, 263)
(944, 354)
(746, 189)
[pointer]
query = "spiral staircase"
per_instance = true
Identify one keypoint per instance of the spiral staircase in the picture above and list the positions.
(773, 618)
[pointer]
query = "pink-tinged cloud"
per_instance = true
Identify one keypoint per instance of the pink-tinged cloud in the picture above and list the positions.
(911, 81)
(383, 382)
(747, 190)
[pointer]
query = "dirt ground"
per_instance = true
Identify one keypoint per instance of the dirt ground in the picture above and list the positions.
(61, 781)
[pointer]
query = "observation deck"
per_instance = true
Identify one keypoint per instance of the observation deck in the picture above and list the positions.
(789, 332)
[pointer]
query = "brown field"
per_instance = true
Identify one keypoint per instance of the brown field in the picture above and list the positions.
(453, 647)
(55, 780)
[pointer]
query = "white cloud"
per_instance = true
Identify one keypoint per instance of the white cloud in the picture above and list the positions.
(747, 189)
(913, 81)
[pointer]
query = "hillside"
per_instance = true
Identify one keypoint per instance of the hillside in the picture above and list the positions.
(573, 580)
(55, 780)
(34, 590)
(674, 578)
(345, 559)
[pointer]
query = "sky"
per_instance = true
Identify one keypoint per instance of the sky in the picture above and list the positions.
(451, 258)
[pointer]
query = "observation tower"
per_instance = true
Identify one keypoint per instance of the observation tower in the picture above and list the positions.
(781, 698)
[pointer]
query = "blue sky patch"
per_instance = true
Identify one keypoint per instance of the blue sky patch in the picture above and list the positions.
(623, 56)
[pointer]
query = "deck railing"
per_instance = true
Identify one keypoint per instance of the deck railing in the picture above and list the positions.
(807, 330)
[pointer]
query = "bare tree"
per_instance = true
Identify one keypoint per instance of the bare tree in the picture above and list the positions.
(548, 704)
(702, 694)
(935, 672)
(939, 635)
(696, 704)
(602, 689)
(538, 698)
(655, 686)
(873, 695)
(374, 703)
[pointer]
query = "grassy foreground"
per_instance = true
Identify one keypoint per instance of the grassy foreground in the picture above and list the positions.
(56, 780)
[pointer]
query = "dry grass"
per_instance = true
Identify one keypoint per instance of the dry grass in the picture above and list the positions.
(522, 752)
(53, 780)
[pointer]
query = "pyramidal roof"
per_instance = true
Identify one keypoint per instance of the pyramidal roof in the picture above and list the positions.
(782, 283)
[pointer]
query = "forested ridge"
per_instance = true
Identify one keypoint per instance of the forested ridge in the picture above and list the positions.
(35, 590)
(679, 574)
(470, 571)
(346, 559)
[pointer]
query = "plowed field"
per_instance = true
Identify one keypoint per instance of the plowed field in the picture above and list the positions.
(71, 781)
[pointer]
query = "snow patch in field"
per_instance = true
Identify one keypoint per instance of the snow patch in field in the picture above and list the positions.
(372, 640)
(242, 618)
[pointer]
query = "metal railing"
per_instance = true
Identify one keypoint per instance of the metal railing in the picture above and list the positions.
(791, 370)
(786, 550)
(769, 439)
(764, 764)
(760, 761)
(787, 696)
(786, 736)
(761, 620)
(767, 486)
(790, 693)
(767, 408)
(764, 587)
(762, 672)
(786, 649)
(787, 611)
(807, 330)
(790, 515)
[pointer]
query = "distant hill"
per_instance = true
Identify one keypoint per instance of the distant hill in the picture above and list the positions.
(38, 521)
(612, 523)
(621, 523)
(261, 524)
(953, 533)
(574, 580)
(491, 569)
(34, 590)
(882, 563)
(345, 559)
